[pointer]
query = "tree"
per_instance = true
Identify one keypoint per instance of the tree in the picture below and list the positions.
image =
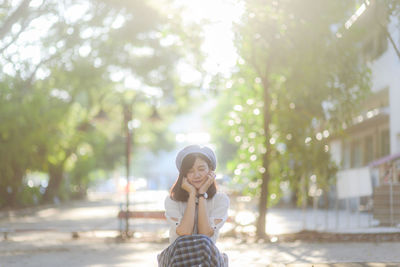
(385, 12)
(295, 79)
(83, 57)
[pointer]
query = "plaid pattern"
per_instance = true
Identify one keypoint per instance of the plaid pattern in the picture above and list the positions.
(192, 250)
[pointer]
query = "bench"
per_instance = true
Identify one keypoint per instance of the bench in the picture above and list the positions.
(159, 215)
(154, 214)
(5, 232)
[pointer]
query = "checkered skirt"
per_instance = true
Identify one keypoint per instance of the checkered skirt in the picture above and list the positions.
(192, 250)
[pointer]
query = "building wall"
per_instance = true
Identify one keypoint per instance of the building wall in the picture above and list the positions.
(336, 151)
(386, 74)
(359, 148)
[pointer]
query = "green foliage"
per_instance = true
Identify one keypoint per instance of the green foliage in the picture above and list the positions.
(295, 74)
(108, 55)
(28, 196)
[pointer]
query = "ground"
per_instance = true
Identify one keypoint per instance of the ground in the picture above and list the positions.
(83, 233)
(51, 249)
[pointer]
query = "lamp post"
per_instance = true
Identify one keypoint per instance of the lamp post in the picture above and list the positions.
(129, 125)
(128, 134)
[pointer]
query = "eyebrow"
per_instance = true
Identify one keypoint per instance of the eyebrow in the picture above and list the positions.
(200, 166)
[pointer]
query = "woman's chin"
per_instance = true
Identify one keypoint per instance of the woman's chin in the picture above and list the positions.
(197, 185)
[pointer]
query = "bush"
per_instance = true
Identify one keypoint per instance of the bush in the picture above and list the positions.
(28, 196)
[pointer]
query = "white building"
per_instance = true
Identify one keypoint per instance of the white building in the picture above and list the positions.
(369, 152)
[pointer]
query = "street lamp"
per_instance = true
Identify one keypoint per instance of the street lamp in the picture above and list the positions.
(129, 125)
(155, 116)
(101, 116)
(128, 134)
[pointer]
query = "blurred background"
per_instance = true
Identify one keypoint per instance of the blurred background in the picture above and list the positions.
(299, 99)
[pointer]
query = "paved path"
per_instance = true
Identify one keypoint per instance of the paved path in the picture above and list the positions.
(62, 250)
(51, 242)
(100, 211)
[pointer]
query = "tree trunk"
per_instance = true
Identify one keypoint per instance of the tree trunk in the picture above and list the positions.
(12, 196)
(263, 202)
(388, 36)
(15, 185)
(55, 178)
(262, 205)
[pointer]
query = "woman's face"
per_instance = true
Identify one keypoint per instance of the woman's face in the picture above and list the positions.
(197, 175)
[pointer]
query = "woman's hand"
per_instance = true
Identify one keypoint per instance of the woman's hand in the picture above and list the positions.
(209, 181)
(188, 187)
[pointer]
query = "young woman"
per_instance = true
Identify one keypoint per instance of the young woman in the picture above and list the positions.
(195, 212)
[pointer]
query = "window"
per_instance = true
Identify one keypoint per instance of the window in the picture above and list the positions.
(368, 149)
(346, 155)
(356, 154)
(385, 143)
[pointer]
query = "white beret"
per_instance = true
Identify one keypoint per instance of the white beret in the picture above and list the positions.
(206, 151)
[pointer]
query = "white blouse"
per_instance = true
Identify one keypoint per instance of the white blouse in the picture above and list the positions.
(217, 209)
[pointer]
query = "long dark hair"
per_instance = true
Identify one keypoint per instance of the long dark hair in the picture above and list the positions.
(177, 192)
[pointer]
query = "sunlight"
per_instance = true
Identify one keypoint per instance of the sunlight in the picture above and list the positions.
(193, 137)
(75, 12)
(358, 13)
(218, 36)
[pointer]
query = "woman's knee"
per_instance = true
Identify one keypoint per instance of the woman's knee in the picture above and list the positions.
(196, 237)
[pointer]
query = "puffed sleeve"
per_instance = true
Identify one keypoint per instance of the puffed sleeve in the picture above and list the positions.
(219, 213)
(173, 215)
